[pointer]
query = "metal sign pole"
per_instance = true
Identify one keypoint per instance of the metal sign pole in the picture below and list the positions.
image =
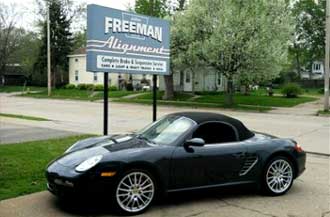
(154, 101)
(105, 104)
(327, 57)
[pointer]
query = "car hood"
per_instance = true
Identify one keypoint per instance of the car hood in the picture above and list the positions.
(104, 145)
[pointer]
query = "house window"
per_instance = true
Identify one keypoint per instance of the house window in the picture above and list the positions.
(76, 75)
(219, 80)
(95, 77)
(187, 77)
(316, 66)
(181, 77)
(76, 60)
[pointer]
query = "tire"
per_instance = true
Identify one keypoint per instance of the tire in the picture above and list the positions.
(277, 176)
(134, 192)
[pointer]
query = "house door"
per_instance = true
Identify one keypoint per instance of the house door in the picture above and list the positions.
(187, 82)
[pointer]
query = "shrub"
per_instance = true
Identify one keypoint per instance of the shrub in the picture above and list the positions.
(113, 88)
(202, 93)
(70, 86)
(321, 91)
(98, 87)
(291, 90)
(82, 86)
(90, 86)
(129, 87)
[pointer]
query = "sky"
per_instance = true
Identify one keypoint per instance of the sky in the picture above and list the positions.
(28, 8)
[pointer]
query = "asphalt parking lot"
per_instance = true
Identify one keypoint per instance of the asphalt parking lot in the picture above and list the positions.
(309, 197)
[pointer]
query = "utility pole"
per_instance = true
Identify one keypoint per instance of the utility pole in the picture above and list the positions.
(49, 80)
(327, 57)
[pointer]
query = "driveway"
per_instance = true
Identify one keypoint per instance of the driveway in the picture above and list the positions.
(308, 197)
(14, 133)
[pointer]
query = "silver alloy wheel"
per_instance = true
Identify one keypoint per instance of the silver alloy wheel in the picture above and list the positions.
(135, 192)
(279, 176)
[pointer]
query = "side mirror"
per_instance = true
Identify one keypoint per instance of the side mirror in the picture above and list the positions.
(199, 142)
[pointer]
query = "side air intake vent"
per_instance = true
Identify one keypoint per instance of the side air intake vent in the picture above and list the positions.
(248, 164)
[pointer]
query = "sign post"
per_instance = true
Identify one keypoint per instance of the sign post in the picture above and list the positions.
(105, 103)
(125, 42)
(154, 97)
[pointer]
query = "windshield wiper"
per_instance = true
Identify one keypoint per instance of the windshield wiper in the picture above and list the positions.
(140, 136)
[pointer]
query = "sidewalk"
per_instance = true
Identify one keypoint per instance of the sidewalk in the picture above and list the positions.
(308, 108)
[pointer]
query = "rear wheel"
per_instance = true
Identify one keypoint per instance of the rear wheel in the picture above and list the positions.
(135, 191)
(278, 176)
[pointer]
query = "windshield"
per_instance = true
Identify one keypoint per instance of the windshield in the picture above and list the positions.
(166, 130)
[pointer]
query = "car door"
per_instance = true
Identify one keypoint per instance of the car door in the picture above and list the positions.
(217, 162)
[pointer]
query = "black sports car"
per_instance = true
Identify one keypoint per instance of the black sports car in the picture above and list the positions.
(181, 151)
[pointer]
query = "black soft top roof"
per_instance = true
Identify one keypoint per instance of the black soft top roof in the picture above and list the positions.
(202, 117)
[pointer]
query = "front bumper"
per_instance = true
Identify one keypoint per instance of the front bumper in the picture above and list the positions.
(63, 181)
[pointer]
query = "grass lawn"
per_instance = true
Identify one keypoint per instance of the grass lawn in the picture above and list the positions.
(257, 100)
(23, 117)
(10, 89)
(160, 94)
(323, 113)
(22, 165)
(78, 94)
(194, 104)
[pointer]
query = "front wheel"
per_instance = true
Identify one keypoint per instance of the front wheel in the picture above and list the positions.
(134, 192)
(278, 176)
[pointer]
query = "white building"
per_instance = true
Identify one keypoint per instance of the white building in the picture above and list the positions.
(79, 75)
(316, 73)
(203, 79)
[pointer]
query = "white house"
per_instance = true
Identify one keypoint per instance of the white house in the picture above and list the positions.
(202, 79)
(79, 75)
(316, 72)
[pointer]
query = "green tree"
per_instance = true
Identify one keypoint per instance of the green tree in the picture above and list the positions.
(26, 52)
(10, 34)
(79, 39)
(177, 46)
(61, 43)
(308, 44)
(156, 8)
(236, 38)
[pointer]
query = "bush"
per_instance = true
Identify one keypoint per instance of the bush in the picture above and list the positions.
(202, 93)
(98, 87)
(70, 86)
(90, 86)
(291, 90)
(82, 86)
(129, 87)
(321, 91)
(113, 88)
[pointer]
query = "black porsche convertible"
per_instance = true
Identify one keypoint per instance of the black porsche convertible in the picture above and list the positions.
(179, 152)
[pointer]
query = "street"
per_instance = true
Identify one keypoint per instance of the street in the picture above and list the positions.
(309, 196)
(312, 132)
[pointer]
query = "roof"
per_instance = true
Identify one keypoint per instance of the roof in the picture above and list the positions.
(202, 117)
(80, 52)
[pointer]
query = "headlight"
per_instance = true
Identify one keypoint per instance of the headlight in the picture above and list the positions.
(89, 163)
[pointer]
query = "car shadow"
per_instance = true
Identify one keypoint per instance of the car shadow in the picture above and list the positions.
(97, 206)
